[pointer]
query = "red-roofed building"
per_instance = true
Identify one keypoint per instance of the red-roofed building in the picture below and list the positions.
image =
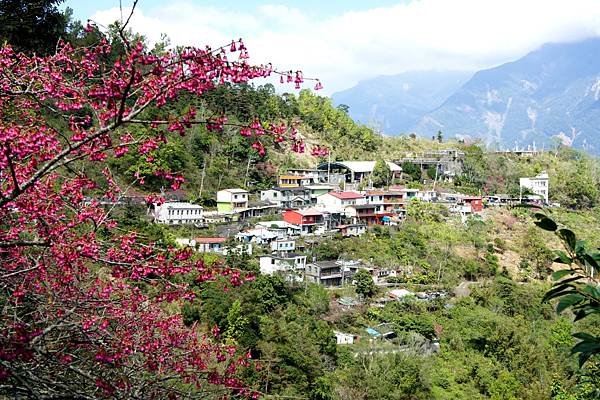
(475, 202)
(375, 192)
(347, 195)
(308, 220)
(336, 202)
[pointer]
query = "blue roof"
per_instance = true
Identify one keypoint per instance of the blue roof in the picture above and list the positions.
(373, 332)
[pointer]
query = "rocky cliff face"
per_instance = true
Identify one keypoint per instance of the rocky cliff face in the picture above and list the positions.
(550, 95)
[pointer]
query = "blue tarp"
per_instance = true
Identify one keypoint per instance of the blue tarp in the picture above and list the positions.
(373, 332)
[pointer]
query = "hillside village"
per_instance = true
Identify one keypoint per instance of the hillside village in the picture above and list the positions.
(178, 221)
(335, 198)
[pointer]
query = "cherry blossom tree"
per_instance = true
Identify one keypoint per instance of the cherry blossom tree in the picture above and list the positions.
(87, 309)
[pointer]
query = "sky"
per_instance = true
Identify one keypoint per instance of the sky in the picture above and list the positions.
(344, 42)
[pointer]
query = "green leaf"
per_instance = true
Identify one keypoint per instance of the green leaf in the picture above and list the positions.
(585, 311)
(558, 275)
(583, 357)
(562, 290)
(590, 261)
(562, 257)
(595, 256)
(580, 246)
(584, 336)
(592, 291)
(568, 301)
(569, 237)
(546, 224)
(569, 280)
(587, 346)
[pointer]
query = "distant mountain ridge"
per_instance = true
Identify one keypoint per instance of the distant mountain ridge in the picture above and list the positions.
(551, 94)
(397, 103)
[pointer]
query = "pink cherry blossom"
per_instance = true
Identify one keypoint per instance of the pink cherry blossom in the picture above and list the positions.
(77, 315)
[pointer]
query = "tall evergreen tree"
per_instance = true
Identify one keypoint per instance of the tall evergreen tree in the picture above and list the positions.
(32, 26)
(381, 173)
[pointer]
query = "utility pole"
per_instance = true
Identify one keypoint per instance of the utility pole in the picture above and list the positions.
(202, 178)
(328, 167)
(436, 175)
(247, 171)
(520, 193)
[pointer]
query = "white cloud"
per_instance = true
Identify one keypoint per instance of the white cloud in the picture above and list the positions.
(420, 34)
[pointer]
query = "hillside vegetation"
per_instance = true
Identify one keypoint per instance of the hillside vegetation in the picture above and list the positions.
(474, 324)
(498, 340)
(203, 155)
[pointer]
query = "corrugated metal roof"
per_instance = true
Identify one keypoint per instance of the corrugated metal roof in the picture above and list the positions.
(366, 166)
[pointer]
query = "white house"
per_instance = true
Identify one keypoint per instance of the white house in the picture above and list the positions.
(376, 198)
(333, 273)
(409, 194)
(214, 245)
(232, 200)
(290, 265)
(178, 213)
(287, 197)
(538, 185)
(313, 174)
(282, 229)
(352, 229)
(210, 244)
(336, 202)
(428, 195)
(259, 235)
(343, 338)
(283, 245)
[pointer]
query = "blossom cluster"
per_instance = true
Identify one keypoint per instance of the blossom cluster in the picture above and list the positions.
(84, 301)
